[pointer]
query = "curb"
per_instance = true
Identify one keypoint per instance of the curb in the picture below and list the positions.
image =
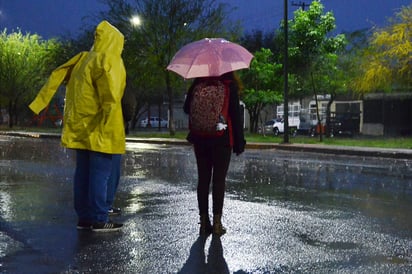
(350, 151)
(325, 149)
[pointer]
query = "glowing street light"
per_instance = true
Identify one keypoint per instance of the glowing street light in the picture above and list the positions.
(135, 21)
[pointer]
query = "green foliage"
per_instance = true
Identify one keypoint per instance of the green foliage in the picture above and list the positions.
(263, 82)
(349, 60)
(386, 64)
(360, 141)
(330, 76)
(25, 62)
(313, 51)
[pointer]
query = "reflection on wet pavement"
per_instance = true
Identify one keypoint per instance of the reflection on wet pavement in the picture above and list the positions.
(284, 211)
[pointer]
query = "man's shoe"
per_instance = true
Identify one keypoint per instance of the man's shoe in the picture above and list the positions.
(83, 225)
(106, 227)
(114, 211)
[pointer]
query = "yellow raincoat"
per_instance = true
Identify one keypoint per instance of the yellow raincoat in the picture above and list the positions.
(93, 118)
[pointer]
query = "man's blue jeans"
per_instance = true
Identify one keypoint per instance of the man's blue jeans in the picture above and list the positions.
(113, 179)
(93, 170)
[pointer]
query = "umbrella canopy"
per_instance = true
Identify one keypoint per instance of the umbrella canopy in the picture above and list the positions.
(209, 57)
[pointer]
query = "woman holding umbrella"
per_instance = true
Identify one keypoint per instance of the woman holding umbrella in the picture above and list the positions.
(213, 154)
(215, 123)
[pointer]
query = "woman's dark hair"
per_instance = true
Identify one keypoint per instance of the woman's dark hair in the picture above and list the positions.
(233, 76)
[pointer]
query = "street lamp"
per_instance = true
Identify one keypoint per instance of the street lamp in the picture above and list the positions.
(135, 21)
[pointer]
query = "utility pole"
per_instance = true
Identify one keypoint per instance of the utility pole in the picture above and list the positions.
(286, 69)
(301, 4)
(286, 78)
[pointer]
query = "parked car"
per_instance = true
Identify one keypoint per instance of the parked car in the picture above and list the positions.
(154, 122)
(343, 124)
(267, 127)
(279, 126)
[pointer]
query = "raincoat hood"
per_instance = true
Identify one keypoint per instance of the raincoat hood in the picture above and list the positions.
(95, 83)
(108, 39)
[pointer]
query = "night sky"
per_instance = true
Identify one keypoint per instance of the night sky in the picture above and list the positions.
(50, 18)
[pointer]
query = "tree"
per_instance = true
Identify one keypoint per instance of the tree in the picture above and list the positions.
(387, 63)
(263, 81)
(310, 44)
(313, 52)
(350, 58)
(256, 40)
(166, 26)
(310, 40)
(25, 61)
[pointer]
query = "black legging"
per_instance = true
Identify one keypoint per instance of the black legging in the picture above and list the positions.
(211, 160)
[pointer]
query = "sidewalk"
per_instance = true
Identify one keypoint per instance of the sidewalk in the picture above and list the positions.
(316, 148)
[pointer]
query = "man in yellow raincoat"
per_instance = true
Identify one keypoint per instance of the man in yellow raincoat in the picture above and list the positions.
(93, 121)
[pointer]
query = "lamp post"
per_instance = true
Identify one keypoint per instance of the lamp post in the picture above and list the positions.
(135, 21)
(286, 78)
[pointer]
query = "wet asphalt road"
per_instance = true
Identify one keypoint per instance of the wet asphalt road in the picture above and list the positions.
(285, 212)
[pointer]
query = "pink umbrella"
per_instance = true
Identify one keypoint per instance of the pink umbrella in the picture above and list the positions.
(209, 57)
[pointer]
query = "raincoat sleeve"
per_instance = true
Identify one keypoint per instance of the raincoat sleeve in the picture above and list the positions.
(110, 84)
(56, 78)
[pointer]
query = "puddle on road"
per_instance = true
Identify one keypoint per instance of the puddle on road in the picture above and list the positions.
(320, 196)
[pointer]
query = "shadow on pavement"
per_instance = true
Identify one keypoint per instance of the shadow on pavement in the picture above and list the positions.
(197, 263)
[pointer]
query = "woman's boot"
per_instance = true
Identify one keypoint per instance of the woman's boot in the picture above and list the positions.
(218, 228)
(205, 226)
